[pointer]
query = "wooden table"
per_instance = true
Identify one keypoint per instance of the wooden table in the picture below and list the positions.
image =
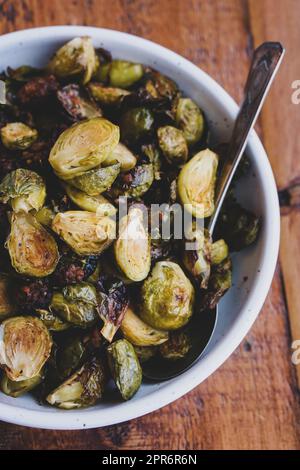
(252, 401)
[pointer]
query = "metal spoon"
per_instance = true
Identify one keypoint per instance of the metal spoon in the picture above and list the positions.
(265, 64)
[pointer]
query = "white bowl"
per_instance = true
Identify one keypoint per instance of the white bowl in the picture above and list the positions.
(241, 305)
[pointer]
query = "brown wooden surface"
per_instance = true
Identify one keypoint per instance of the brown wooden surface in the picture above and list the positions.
(252, 401)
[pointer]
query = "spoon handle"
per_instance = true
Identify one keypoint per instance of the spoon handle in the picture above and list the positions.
(265, 63)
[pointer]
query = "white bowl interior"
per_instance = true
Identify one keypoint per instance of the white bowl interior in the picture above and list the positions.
(253, 268)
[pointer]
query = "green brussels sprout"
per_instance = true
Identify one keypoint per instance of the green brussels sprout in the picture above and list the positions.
(16, 389)
(139, 333)
(98, 180)
(161, 87)
(25, 346)
(23, 189)
(76, 304)
(190, 119)
(197, 260)
(76, 105)
(219, 283)
(135, 183)
(173, 144)
(33, 251)
(123, 74)
(132, 248)
(136, 123)
(18, 136)
(125, 367)
(45, 216)
(106, 96)
(6, 304)
(84, 388)
(144, 353)
(152, 152)
(98, 204)
(177, 346)
(219, 252)
(83, 146)
(167, 297)
(74, 60)
(196, 183)
(52, 321)
(71, 356)
(85, 232)
(123, 156)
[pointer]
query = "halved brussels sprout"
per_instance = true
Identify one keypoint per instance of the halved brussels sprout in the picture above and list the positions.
(134, 183)
(125, 367)
(45, 216)
(23, 189)
(76, 304)
(18, 136)
(152, 152)
(139, 333)
(123, 74)
(76, 59)
(167, 297)
(122, 155)
(16, 389)
(219, 283)
(98, 180)
(85, 232)
(173, 144)
(219, 252)
(6, 304)
(76, 105)
(51, 321)
(84, 388)
(106, 96)
(71, 356)
(144, 353)
(177, 346)
(132, 248)
(98, 204)
(198, 259)
(135, 124)
(190, 119)
(25, 345)
(33, 251)
(196, 183)
(83, 146)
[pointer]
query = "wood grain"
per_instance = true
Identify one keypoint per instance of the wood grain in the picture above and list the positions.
(252, 400)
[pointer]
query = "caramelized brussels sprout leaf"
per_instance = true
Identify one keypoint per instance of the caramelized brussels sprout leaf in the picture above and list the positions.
(98, 180)
(18, 136)
(23, 189)
(106, 96)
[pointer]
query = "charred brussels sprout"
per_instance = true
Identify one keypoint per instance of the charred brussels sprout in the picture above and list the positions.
(219, 252)
(98, 180)
(18, 136)
(51, 321)
(84, 388)
(144, 353)
(219, 283)
(76, 59)
(139, 333)
(177, 346)
(160, 86)
(76, 105)
(135, 183)
(33, 251)
(107, 96)
(167, 297)
(197, 258)
(123, 156)
(125, 367)
(45, 216)
(71, 356)
(123, 74)
(83, 146)
(132, 248)
(173, 144)
(23, 189)
(6, 298)
(16, 389)
(25, 346)
(196, 183)
(98, 204)
(190, 120)
(135, 124)
(76, 304)
(85, 232)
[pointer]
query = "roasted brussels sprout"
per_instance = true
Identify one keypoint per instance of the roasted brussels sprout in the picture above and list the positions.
(123, 156)
(98, 180)
(160, 86)
(219, 283)
(125, 367)
(123, 74)
(139, 333)
(18, 136)
(23, 189)
(190, 119)
(85, 232)
(84, 388)
(98, 204)
(6, 298)
(177, 346)
(173, 144)
(76, 105)
(33, 251)
(16, 389)
(76, 59)
(51, 321)
(71, 356)
(144, 353)
(196, 183)
(219, 252)
(167, 297)
(152, 152)
(106, 96)
(135, 124)
(25, 346)
(132, 248)
(76, 304)
(83, 146)
(135, 183)
(197, 260)
(45, 216)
